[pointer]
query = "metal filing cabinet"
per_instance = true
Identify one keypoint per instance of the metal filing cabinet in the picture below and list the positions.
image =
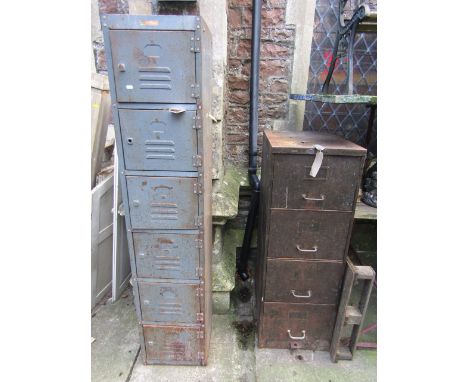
(304, 232)
(160, 76)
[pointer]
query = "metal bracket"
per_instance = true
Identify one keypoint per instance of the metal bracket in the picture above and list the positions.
(195, 89)
(197, 160)
(201, 355)
(200, 317)
(201, 334)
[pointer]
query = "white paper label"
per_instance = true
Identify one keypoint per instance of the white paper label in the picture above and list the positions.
(129, 87)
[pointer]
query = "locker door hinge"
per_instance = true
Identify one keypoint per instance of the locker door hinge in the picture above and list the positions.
(197, 161)
(199, 292)
(200, 317)
(201, 355)
(199, 243)
(195, 42)
(199, 271)
(196, 122)
(201, 334)
(199, 221)
(195, 89)
(197, 188)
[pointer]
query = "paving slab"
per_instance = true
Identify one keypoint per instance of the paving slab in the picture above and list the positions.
(115, 348)
(230, 360)
(275, 365)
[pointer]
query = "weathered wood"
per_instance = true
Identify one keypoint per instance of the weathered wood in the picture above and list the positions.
(349, 314)
(100, 114)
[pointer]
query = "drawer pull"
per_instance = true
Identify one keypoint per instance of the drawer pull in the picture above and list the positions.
(296, 338)
(322, 197)
(176, 110)
(308, 295)
(306, 250)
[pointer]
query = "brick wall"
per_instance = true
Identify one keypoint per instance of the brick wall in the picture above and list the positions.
(277, 50)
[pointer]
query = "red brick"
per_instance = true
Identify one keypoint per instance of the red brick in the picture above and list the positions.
(234, 17)
(238, 82)
(239, 97)
(279, 86)
(243, 49)
(270, 49)
(277, 68)
(273, 17)
(237, 115)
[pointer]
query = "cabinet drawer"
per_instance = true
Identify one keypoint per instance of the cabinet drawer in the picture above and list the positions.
(297, 326)
(334, 187)
(162, 202)
(169, 302)
(159, 139)
(153, 66)
(301, 234)
(167, 255)
(172, 345)
(303, 281)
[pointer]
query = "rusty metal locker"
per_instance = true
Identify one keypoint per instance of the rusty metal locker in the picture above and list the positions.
(160, 79)
(305, 225)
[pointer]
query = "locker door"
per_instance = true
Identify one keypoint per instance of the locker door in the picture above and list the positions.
(162, 202)
(153, 66)
(159, 139)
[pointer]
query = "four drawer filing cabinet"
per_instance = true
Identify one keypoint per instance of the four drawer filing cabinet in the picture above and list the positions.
(305, 225)
(160, 72)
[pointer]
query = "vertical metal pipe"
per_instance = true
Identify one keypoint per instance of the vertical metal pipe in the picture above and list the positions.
(254, 84)
(253, 133)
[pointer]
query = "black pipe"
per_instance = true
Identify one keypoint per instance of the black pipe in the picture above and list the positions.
(253, 132)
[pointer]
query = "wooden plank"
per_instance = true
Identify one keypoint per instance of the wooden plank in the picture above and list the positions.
(365, 212)
(100, 114)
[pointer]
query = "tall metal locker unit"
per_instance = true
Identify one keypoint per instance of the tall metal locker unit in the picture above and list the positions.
(160, 79)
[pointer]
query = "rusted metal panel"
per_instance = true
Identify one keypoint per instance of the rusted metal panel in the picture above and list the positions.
(308, 235)
(160, 139)
(154, 66)
(303, 281)
(297, 326)
(172, 345)
(170, 302)
(163, 202)
(332, 189)
(168, 255)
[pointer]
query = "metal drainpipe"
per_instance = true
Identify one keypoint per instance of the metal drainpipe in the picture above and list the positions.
(253, 132)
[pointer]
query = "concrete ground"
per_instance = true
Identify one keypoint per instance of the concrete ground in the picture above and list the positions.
(233, 355)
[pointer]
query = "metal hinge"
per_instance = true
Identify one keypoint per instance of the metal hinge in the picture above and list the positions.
(196, 123)
(201, 355)
(195, 89)
(195, 43)
(199, 221)
(199, 292)
(200, 317)
(197, 188)
(197, 161)
(199, 243)
(199, 271)
(201, 334)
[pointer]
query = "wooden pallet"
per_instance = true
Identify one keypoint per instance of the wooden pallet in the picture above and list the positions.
(349, 314)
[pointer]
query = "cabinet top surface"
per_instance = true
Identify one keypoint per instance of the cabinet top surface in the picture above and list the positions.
(303, 142)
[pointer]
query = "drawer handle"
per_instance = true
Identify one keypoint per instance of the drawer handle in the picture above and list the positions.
(306, 250)
(322, 197)
(308, 295)
(296, 338)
